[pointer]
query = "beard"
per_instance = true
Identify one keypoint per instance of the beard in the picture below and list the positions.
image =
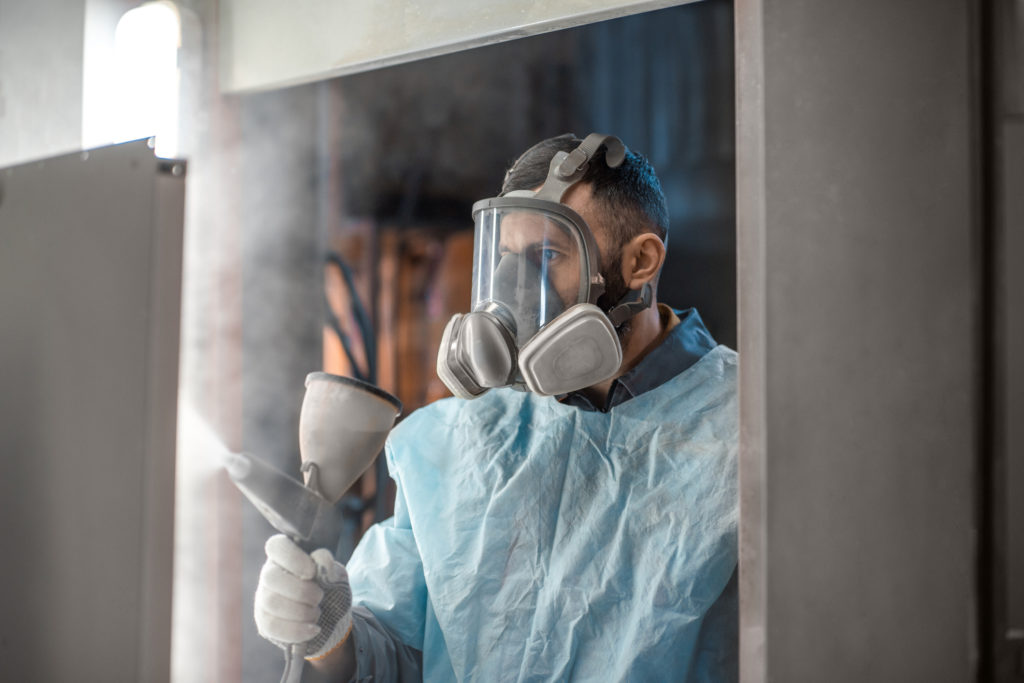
(614, 290)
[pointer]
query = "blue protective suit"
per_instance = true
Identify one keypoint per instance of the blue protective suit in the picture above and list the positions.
(535, 541)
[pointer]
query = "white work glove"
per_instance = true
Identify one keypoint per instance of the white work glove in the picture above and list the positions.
(303, 598)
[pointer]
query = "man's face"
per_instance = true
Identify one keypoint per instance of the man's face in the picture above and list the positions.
(546, 245)
(549, 246)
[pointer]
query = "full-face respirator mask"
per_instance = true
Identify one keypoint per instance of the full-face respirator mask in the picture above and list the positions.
(534, 322)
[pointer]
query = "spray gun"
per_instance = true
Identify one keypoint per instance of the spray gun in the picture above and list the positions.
(342, 427)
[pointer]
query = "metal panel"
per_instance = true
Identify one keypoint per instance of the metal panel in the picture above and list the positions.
(1010, 400)
(858, 324)
(90, 256)
(752, 323)
(316, 39)
(1007, 485)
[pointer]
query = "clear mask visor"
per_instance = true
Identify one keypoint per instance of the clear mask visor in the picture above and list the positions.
(529, 267)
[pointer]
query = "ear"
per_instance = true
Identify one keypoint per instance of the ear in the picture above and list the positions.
(642, 258)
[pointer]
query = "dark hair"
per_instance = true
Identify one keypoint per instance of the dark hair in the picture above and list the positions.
(631, 193)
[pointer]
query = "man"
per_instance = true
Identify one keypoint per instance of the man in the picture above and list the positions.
(571, 514)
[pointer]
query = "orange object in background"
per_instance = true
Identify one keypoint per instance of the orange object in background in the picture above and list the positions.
(411, 281)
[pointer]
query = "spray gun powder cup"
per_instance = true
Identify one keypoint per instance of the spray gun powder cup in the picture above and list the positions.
(342, 427)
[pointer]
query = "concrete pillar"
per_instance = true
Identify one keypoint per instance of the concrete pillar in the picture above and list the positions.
(859, 282)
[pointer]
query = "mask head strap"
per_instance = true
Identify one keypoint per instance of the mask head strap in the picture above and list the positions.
(568, 168)
(632, 303)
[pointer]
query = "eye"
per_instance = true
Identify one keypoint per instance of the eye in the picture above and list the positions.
(548, 255)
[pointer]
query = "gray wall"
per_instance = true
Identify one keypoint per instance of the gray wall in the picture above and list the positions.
(40, 78)
(859, 338)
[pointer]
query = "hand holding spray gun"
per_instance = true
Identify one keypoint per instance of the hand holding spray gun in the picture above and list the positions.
(303, 602)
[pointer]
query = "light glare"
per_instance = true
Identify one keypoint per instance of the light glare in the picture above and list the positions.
(139, 87)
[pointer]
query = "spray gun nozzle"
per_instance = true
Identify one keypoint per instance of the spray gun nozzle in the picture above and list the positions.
(290, 507)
